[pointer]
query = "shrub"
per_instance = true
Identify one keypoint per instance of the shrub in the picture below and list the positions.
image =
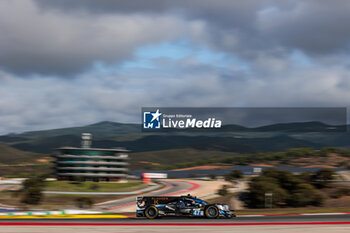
(322, 178)
(94, 186)
(286, 188)
(340, 192)
(235, 174)
(223, 191)
(285, 179)
(32, 190)
(258, 190)
(32, 196)
(304, 195)
(83, 202)
(305, 177)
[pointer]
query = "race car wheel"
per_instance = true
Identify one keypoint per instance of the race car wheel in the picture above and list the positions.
(211, 212)
(151, 212)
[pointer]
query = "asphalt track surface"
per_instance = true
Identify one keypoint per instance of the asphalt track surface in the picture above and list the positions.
(240, 220)
(171, 188)
(263, 224)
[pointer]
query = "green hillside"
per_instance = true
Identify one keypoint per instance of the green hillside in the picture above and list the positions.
(185, 158)
(9, 155)
(108, 129)
(166, 142)
(312, 126)
(153, 159)
(171, 147)
(99, 130)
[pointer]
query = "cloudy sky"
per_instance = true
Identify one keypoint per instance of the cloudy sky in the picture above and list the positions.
(70, 63)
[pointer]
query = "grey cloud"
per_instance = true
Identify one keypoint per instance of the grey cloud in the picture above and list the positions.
(67, 37)
(313, 26)
(52, 42)
(38, 103)
(106, 6)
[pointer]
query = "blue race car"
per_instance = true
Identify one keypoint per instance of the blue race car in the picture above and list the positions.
(157, 206)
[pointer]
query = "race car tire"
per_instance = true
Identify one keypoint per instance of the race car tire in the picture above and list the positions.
(211, 212)
(151, 212)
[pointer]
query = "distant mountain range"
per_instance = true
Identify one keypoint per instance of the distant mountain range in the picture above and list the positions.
(233, 138)
(109, 129)
(99, 130)
(148, 148)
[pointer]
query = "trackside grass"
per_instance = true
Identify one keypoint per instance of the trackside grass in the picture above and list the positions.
(92, 186)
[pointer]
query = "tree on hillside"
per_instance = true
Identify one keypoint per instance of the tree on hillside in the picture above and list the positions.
(235, 174)
(322, 178)
(258, 190)
(285, 189)
(285, 179)
(305, 194)
(223, 191)
(305, 177)
(32, 190)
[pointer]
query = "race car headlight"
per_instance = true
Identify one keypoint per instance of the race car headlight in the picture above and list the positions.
(141, 203)
(220, 207)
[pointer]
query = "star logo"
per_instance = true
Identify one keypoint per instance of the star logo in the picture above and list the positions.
(151, 120)
(156, 115)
